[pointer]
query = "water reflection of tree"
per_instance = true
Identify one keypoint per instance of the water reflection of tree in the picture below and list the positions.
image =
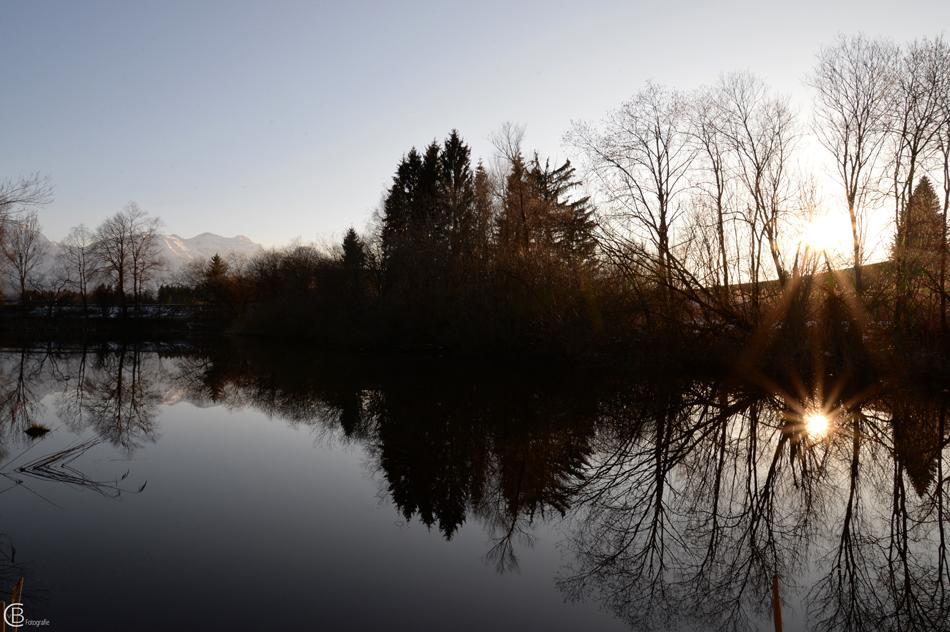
(19, 401)
(659, 529)
(888, 563)
(447, 448)
(72, 401)
(689, 496)
(915, 586)
(120, 397)
(506, 454)
(700, 495)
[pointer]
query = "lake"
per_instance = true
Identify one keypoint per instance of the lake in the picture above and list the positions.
(243, 488)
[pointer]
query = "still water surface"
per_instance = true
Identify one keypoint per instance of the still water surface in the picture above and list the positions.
(228, 489)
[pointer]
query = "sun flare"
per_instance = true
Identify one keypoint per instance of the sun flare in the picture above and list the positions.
(825, 234)
(817, 425)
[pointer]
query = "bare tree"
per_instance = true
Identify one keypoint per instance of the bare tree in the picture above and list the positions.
(760, 131)
(854, 81)
(640, 160)
(507, 142)
(23, 250)
(127, 245)
(28, 191)
(80, 261)
(143, 250)
(112, 251)
(713, 177)
(917, 114)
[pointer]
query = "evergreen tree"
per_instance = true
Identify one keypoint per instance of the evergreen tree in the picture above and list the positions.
(398, 209)
(415, 242)
(569, 224)
(354, 263)
(538, 215)
(483, 212)
(916, 249)
(215, 285)
(512, 225)
(354, 252)
(920, 227)
(429, 210)
(439, 220)
(458, 193)
(429, 222)
(217, 268)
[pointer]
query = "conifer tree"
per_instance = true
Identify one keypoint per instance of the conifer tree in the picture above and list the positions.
(458, 193)
(568, 224)
(398, 209)
(512, 225)
(215, 285)
(483, 212)
(428, 224)
(354, 263)
(354, 252)
(916, 248)
(217, 267)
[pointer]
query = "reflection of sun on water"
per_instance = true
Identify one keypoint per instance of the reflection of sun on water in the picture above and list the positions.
(816, 425)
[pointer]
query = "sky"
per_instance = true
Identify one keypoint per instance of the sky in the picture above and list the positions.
(283, 120)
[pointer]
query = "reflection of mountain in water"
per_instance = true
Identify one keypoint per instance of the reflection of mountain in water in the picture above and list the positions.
(684, 496)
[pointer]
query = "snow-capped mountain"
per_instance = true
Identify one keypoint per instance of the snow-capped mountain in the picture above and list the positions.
(174, 250)
(177, 251)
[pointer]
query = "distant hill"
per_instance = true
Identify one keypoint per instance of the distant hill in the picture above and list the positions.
(177, 251)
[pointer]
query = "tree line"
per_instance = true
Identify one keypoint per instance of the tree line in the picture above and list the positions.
(683, 213)
(112, 265)
(710, 181)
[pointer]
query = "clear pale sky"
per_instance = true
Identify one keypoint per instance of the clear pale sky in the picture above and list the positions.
(285, 119)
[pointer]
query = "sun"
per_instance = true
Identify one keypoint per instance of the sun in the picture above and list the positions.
(820, 234)
(827, 234)
(817, 424)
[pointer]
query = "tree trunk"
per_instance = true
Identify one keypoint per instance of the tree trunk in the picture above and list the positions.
(856, 245)
(943, 248)
(722, 243)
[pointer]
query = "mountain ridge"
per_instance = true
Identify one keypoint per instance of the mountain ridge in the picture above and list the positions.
(175, 251)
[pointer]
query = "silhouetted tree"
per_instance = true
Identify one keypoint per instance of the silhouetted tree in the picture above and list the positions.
(641, 159)
(215, 284)
(23, 250)
(398, 212)
(26, 192)
(80, 263)
(112, 249)
(127, 247)
(854, 81)
(354, 267)
(916, 250)
(457, 192)
(354, 252)
(144, 259)
(568, 224)
(483, 209)
(428, 235)
(217, 267)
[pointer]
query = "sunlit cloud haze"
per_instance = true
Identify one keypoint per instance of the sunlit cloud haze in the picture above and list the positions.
(286, 119)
